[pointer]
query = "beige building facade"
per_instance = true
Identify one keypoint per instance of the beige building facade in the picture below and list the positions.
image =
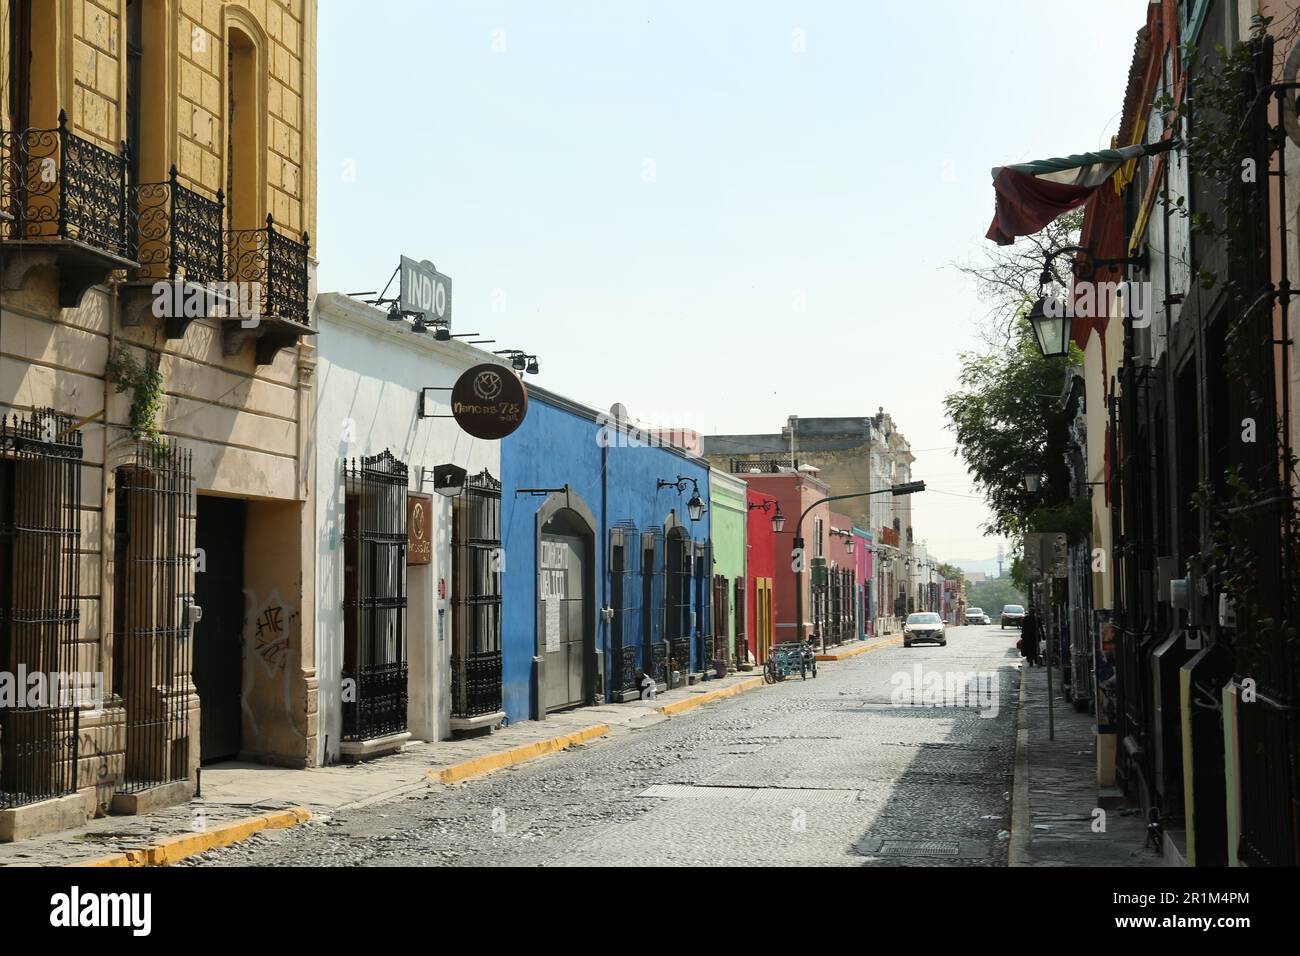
(156, 366)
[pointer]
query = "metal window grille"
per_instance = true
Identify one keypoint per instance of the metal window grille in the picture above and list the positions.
(702, 556)
(625, 636)
(654, 647)
(476, 598)
(40, 527)
(153, 581)
(742, 636)
(678, 572)
(374, 628)
(721, 615)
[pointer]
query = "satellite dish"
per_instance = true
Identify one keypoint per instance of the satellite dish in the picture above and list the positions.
(619, 411)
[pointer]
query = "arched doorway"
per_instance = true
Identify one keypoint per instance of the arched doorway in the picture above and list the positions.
(566, 633)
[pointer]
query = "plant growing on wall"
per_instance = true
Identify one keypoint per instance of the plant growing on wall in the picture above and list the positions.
(145, 383)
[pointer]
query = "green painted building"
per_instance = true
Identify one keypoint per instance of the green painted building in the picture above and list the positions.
(729, 514)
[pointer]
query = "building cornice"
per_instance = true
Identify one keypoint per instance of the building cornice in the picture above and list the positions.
(367, 318)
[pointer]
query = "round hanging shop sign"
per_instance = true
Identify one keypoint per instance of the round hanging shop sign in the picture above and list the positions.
(489, 401)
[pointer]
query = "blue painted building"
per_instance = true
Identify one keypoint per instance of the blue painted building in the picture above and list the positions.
(605, 574)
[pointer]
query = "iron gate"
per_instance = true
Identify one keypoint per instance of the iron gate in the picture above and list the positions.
(40, 526)
(374, 600)
(153, 582)
(476, 598)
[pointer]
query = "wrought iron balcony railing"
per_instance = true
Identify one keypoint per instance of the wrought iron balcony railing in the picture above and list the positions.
(278, 263)
(765, 464)
(55, 185)
(177, 233)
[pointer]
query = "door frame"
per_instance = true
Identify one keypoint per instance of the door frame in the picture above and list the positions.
(593, 663)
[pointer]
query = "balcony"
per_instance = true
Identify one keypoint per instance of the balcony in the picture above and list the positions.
(64, 203)
(177, 238)
(272, 263)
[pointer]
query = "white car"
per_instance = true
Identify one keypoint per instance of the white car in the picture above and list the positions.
(925, 626)
(975, 615)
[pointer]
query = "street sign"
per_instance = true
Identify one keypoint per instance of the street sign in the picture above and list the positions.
(489, 401)
(419, 529)
(425, 289)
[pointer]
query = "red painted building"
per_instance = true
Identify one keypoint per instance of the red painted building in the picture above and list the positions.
(760, 572)
(794, 492)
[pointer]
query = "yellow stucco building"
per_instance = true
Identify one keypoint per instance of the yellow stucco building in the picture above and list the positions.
(157, 199)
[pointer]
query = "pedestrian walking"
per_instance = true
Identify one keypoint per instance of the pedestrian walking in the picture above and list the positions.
(1029, 638)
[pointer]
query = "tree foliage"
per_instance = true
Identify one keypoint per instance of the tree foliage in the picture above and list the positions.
(990, 595)
(1007, 420)
(1008, 278)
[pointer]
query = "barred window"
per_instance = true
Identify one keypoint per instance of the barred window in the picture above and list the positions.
(476, 598)
(40, 491)
(374, 597)
(153, 579)
(624, 601)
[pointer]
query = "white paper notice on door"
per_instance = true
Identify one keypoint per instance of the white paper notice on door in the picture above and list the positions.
(552, 623)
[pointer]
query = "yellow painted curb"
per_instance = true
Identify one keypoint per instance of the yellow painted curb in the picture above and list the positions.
(177, 848)
(865, 649)
(681, 706)
(129, 858)
(477, 766)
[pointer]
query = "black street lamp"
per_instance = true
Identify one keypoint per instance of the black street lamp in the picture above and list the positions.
(1033, 480)
(1050, 317)
(695, 506)
(778, 519)
(1050, 320)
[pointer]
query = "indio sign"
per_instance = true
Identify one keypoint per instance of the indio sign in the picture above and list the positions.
(489, 401)
(426, 290)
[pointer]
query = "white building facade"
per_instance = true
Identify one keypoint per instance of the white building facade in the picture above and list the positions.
(386, 593)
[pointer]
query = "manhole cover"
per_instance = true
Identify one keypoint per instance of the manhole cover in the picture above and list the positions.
(922, 848)
(918, 848)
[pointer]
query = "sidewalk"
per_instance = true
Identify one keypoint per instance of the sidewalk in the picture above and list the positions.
(1055, 793)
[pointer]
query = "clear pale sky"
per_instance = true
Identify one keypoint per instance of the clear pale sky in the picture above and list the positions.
(719, 214)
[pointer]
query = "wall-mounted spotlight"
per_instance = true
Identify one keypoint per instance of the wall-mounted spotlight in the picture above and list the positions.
(520, 361)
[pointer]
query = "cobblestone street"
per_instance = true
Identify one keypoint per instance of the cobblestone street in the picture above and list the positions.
(824, 771)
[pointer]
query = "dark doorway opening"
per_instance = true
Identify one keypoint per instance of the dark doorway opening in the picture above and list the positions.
(219, 636)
